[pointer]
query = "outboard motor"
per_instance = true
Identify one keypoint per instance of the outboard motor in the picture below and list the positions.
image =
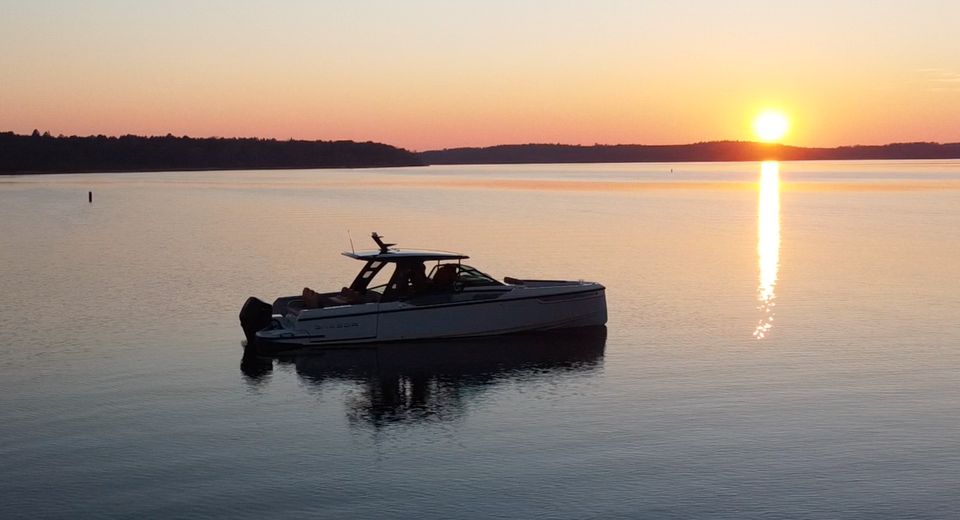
(254, 316)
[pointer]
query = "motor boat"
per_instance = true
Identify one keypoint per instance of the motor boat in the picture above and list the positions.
(453, 300)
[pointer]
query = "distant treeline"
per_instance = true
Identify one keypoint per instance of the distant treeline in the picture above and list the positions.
(43, 153)
(710, 151)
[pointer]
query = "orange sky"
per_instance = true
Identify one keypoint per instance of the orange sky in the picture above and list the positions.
(431, 74)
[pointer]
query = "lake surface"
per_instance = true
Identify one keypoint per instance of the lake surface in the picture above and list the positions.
(782, 343)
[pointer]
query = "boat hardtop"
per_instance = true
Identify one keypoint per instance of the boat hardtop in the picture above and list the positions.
(396, 255)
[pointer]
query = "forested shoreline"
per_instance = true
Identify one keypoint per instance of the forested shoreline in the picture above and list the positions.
(42, 153)
(715, 151)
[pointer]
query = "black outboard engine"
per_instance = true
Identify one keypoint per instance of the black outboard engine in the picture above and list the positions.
(254, 316)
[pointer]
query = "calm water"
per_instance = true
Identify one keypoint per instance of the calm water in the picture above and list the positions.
(783, 343)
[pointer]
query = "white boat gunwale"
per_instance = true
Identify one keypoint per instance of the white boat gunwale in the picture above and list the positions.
(593, 290)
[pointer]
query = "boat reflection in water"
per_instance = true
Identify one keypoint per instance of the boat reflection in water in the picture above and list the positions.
(768, 244)
(434, 380)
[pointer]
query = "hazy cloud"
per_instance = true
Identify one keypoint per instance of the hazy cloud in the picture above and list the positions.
(941, 80)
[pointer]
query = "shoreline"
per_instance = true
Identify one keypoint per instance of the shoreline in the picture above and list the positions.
(44, 154)
(178, 170)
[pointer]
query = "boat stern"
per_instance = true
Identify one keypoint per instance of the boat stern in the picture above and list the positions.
(255, 315)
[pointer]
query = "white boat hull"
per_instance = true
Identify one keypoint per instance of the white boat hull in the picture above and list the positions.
(538, 306)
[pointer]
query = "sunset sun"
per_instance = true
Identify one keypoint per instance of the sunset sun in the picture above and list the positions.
(770, 126)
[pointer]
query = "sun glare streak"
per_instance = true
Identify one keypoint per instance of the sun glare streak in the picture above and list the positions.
(768, 244)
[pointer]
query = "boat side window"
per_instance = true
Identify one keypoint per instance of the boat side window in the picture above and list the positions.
(369, 272)
(372, 268)
(380, 280)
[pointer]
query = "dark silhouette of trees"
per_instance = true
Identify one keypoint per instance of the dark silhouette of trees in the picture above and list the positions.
(38, 153)
(43, 153)
(707, 151)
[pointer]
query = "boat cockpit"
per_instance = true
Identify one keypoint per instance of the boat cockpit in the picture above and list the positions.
(391, 275)
(410, 279)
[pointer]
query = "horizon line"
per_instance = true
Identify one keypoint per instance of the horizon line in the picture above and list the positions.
(47, 134)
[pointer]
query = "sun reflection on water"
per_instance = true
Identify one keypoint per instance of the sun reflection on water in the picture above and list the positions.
(768, 244)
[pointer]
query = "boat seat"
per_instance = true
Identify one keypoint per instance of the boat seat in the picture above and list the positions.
(445, 277)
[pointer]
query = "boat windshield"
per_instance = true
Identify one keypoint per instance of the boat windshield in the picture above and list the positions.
(462, 275)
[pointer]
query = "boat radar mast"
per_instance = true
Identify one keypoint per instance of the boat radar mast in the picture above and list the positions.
(384, 247)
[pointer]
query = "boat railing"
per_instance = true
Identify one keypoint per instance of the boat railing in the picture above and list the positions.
(541, 283)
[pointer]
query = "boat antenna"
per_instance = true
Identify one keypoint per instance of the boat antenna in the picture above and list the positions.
(352, 250)
(384, 247)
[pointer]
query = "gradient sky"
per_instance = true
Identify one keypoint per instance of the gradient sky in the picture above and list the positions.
(434, 74)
